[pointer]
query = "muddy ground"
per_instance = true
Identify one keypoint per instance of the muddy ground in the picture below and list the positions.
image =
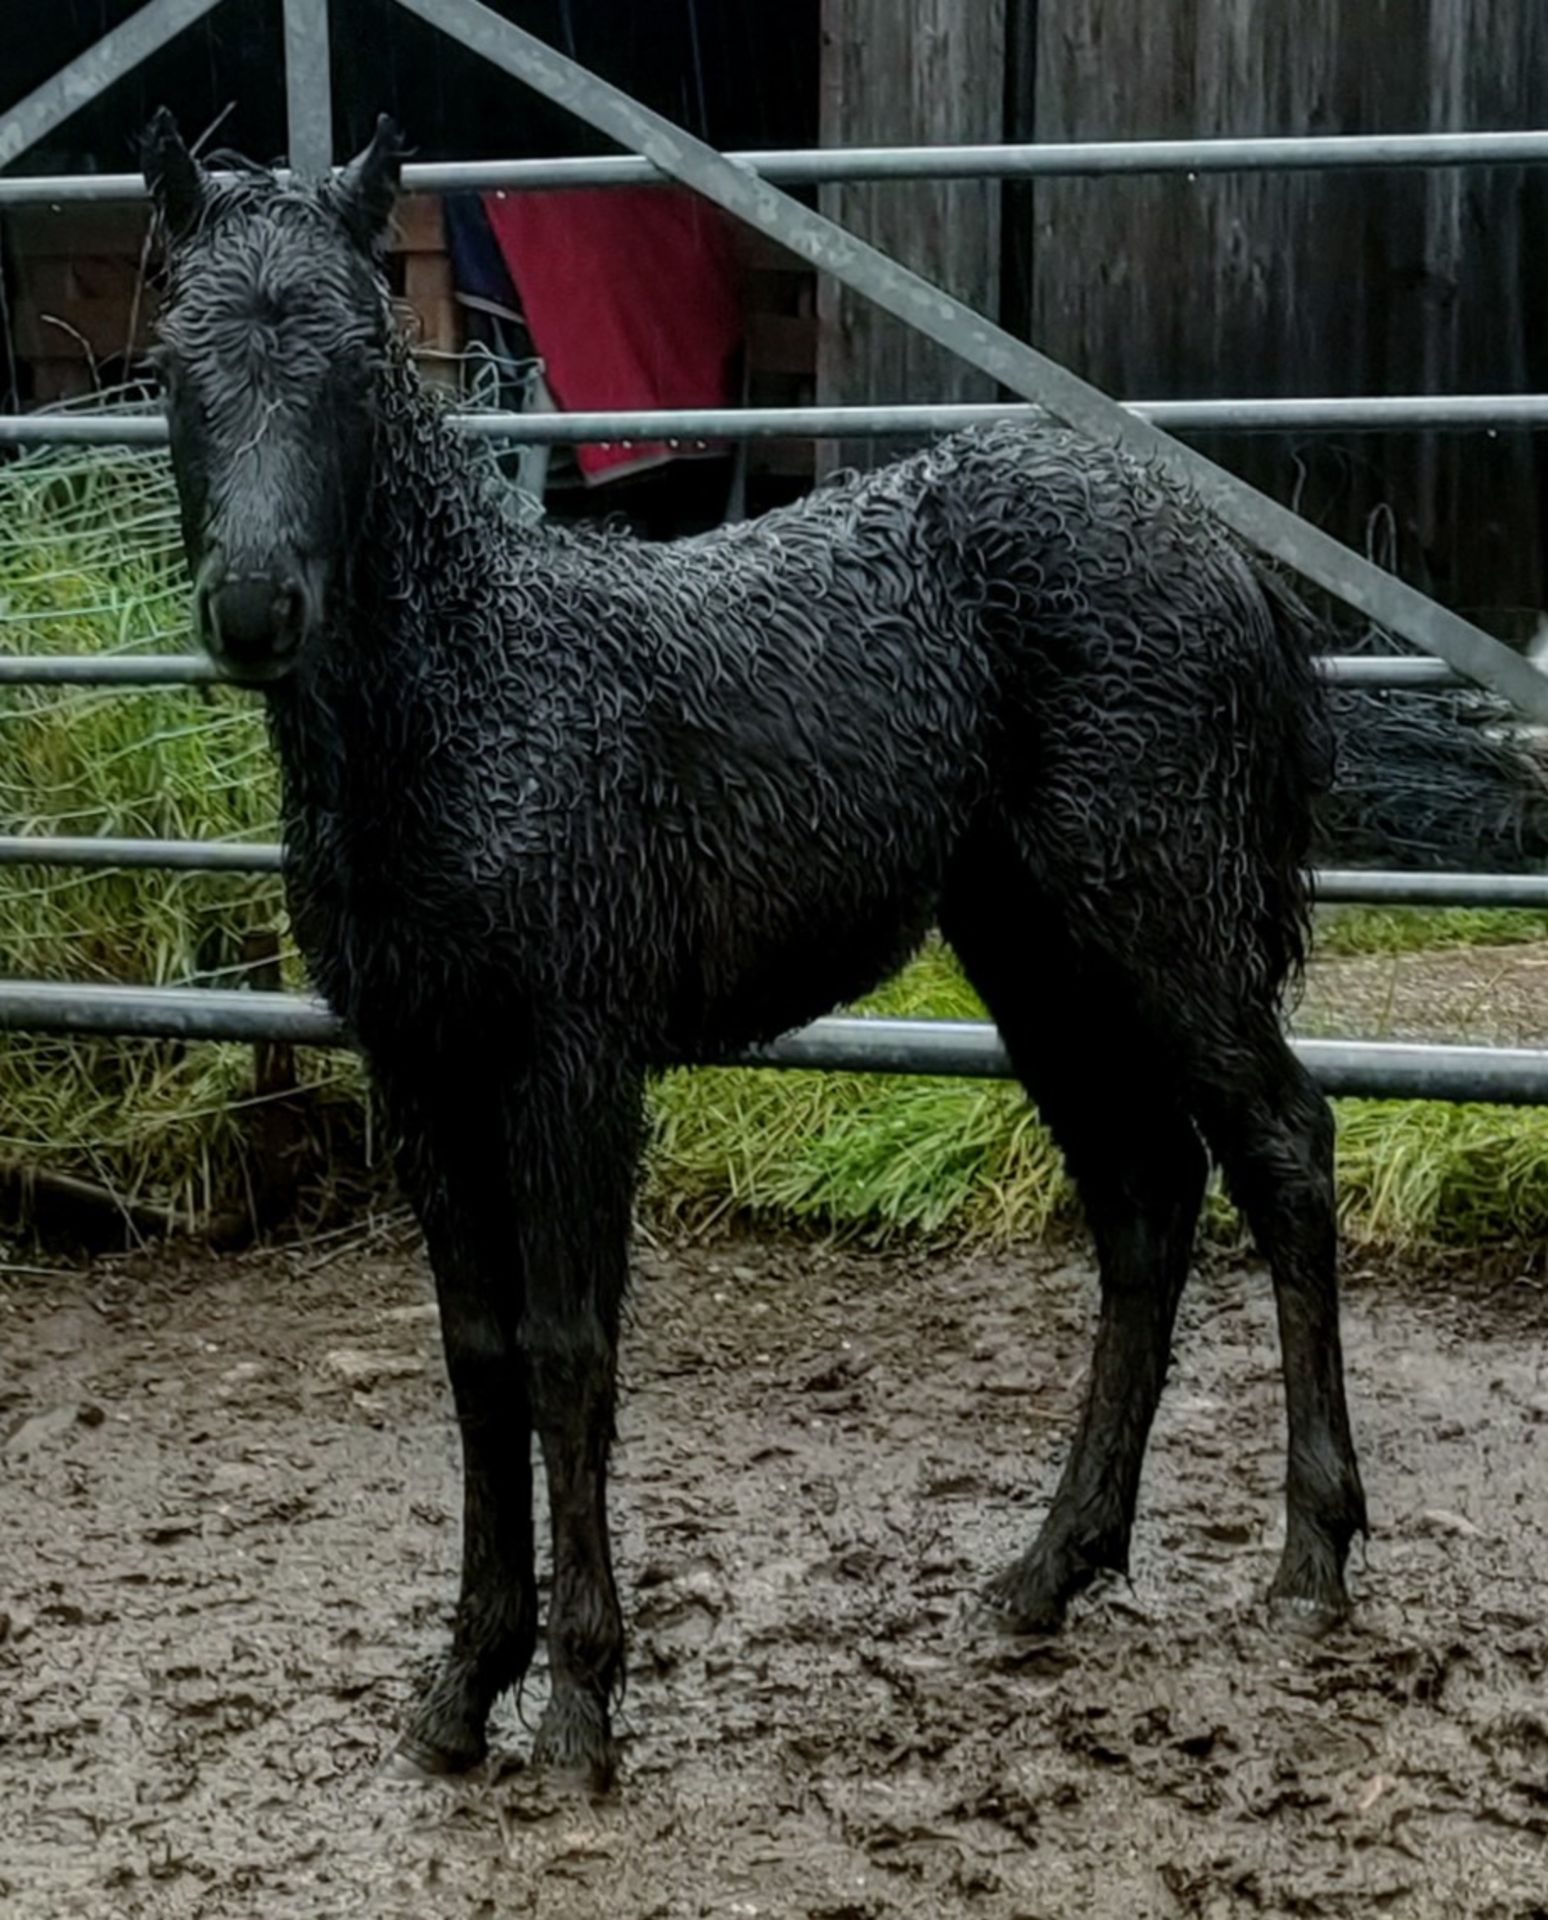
(228, 1539)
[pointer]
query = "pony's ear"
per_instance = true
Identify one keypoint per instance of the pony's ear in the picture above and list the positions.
(174, 176)
(368, 186)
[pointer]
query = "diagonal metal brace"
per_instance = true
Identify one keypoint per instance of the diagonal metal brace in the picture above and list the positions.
(94, 71)
(1264, 523)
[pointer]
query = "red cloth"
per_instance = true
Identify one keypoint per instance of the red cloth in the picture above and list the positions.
(630, 296)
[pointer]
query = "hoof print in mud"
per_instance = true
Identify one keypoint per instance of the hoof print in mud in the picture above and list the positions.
(413, 1759)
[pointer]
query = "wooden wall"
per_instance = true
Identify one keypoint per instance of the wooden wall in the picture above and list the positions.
(1317, 283)
(924, 72)
(1314, 283)
(85, 307)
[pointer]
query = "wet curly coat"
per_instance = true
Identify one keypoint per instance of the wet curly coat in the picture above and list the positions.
(562, 807)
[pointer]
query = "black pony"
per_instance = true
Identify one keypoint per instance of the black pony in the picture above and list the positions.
(561, 808)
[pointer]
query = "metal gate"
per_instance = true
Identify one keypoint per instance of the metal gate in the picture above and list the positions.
(749, 186)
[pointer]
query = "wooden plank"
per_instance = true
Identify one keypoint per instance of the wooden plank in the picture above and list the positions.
(784, 459)
(427, 277)
(439, 327)
(929, 72)
(428, 288)
(82, 227)
(77, 228)
(419, 224)
(44, 329)
(83, 276)
(57, 378)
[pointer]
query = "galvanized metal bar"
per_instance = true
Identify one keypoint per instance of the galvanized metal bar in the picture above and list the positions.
(798, 167)
(104, 850)
(1399, 413)
(308, 86)
(1371, 1069)
(1411, 1070)
(816, 166)
(60, 190)
(1372, 887)
(166, 1013)
(1399, 672)
(1389, 413)
(106, 670)
(1379, 595)
(1366, 1069)
(1379, 888)
(83, 430)
(851, 1043)
(92, 72)
(1396, 671)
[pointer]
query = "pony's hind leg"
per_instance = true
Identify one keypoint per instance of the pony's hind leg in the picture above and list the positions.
(577, 1125)
(1140, 1169)
(1272, 1132)
(1141, 1180)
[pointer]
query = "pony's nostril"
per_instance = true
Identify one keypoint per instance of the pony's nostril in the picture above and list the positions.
(290, 611)
(243, 620)
(252, 621)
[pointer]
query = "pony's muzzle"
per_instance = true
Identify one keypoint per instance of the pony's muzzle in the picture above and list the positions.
(251, 624)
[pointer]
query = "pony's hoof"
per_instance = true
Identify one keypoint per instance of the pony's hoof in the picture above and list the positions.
(573, 1746)
(1022, 1601)
(417, 1759)
(1308, 1596)
(1306, 1617)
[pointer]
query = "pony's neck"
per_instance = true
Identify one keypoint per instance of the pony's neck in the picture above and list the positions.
(434, 519)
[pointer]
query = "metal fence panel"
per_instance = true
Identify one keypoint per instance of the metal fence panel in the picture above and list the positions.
(746, 186)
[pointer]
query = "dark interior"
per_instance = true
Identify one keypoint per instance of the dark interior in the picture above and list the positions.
(742, 73)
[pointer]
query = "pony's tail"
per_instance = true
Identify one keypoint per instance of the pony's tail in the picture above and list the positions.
(1454, 780)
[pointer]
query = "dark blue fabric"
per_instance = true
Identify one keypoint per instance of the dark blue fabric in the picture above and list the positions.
(478, 267)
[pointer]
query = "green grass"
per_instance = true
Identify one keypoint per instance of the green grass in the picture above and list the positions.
(1413, 1174)
(89, 561)
(1355, 930)
(877, 1154)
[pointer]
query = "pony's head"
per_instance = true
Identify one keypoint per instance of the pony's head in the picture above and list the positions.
(274, 333)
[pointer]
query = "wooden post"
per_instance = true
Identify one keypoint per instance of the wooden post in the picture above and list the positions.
(275, 1118)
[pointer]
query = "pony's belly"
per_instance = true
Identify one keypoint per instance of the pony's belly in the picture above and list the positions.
(829, 964)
